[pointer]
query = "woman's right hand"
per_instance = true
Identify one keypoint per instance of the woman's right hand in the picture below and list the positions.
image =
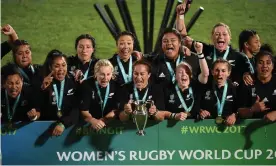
(204, 114)
(198, 47)
(97, 124)
(128, 108)
(47, 81)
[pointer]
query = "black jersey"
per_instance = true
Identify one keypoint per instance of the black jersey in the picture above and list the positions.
(173, 103)
(74, 63)
(90, 100)
(154, 93)
(160, 71)
(25, 103)
(266, 92)
(209, 100)
(118, 72)
(49, 102)
(5, 48)
(235, 58)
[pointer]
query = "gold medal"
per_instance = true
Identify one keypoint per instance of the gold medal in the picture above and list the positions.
(219, 120)
(59, 114)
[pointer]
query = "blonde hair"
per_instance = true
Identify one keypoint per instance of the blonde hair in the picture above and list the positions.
(223, 25)
(101, 63)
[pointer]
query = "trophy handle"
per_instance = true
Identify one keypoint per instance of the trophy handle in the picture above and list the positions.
(149, 103)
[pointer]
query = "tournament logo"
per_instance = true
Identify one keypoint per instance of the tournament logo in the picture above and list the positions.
(171, 98)
(116, 72)
(54, 101)
(207, 95)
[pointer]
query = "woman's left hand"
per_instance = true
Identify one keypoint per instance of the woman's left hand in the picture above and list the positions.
(230, 120)
(58, 130)
(181, 116)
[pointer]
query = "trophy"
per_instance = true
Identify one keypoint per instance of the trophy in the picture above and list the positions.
(140, 115)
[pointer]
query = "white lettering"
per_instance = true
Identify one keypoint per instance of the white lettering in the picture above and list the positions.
(171, 154)
(185, 154)
(226, 154)
(63, 156)
(88, 157)
(121, 155)
(198, 152)
(236, 154)
(76, 156)
(132, 155)
(153, 155)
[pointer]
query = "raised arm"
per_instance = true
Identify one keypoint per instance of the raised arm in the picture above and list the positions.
(180, 23)
(203, 76)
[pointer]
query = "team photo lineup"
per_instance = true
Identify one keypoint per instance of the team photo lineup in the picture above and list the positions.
(185, 79)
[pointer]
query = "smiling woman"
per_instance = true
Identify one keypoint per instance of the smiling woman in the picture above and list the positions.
(124, 58)
(165, 63)
(221, 48)
(259, 99)
(57, 99)
(141, 89)
(219, 100)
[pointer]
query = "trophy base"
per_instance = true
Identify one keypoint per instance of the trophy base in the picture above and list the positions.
(141, 133)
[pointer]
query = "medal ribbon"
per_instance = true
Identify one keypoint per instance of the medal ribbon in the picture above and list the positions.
(10, 114)
(220, 105)
(171, 70)
(59, 96)
(127, 78)
(24, 74)
(137, 95)
(87, 70)
(103, 103)
(224, 56)
(187, 109)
